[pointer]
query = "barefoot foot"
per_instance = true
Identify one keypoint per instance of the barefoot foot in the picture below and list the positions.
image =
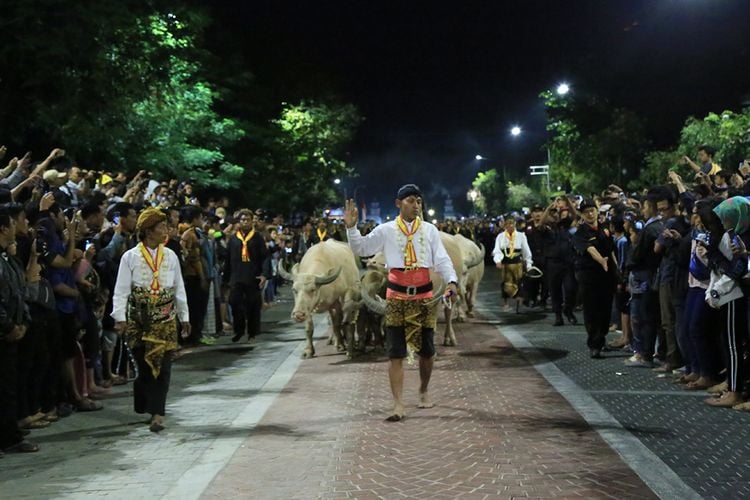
(425, 401)
(397, 414)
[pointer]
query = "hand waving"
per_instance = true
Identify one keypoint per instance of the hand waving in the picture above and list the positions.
(351, 214)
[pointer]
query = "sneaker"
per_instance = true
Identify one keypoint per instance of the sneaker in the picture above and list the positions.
(207, 340)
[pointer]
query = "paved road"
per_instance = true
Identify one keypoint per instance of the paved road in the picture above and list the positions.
(521, 412)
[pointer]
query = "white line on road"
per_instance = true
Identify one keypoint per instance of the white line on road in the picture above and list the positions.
(196, 479)
(650, 468)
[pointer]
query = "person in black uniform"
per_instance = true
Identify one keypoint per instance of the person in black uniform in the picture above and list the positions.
(247, 268)
(595, 266)
(559, 256)
(536, 234)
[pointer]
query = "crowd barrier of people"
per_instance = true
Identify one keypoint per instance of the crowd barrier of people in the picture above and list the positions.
(63, 233)
(666, 267)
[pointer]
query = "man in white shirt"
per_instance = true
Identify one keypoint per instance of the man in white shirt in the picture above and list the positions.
(411, 247)
(511, 255)
(148, 295)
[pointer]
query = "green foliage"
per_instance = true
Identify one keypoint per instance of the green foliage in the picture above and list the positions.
(305, 152)
(591, 143)
(492, 192)
(119, 88)
(521, 195)
(182, 136)
(656, 164)
(728, 132)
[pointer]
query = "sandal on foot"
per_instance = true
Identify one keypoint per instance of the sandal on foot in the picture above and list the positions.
(395, 418)
(22, 447)
(156, 427)
(36, 424)
(88, 405)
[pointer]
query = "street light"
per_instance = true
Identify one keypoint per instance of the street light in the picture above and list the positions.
(479, 158)
(515, 131)
(563, 89)
(337, 181)
(431, 212)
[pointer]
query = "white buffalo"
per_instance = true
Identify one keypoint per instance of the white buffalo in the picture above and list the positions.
(327, 279)
(473, 257)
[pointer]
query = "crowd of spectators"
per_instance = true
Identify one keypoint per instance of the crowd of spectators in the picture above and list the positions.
(63, 230)
(681, 264)
(680, 268)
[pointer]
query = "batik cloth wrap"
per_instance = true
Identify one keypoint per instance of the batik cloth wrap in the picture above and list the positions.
(151, 324)
(512, 273)
(410, 312)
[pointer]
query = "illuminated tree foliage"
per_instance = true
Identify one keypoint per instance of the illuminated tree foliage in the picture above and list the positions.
(128, 85)
(728, 132)
(493, 191)
(305, 152)
(592, 144)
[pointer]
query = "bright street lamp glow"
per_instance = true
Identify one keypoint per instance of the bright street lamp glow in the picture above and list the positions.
(337, 181)
(563, 89)
(479, 157)
(515, 131)
(431, 212)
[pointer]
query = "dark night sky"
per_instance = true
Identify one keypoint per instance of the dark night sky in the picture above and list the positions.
(439, 82)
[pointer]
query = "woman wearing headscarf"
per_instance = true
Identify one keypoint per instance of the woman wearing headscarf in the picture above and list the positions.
(148, 295)
(511, 254)
(728, 258)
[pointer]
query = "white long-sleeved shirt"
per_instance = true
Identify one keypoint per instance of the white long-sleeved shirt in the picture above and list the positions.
(520, 243)
(134, 272)
(389, 239)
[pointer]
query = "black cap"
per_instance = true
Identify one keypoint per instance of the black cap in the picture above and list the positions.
(587, 203)
(408, 190)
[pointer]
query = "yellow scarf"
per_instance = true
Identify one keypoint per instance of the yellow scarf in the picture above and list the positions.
(322, 235)
(152, 264)
(245, 239)
(410, 255)
(511, 243)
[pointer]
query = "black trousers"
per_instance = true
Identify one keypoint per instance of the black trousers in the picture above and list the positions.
(562, 288)
(149, 393)
(33, 362)
(597, 291)
(734, 322)
(246, 302)
(539, 289)
(90, 342)
(197, 299)
(52, 390)
(9, 432)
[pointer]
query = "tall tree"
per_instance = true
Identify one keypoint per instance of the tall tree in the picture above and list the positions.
(305, 152)
(592, 144)
(492, 188)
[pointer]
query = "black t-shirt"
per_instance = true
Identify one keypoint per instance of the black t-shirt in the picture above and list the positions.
(587, 236)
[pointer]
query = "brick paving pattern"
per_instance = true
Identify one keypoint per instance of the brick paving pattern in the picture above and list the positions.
(498, 431)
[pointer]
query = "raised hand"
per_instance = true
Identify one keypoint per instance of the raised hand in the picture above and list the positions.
(56, 153)
(47, 201)
(351, 214)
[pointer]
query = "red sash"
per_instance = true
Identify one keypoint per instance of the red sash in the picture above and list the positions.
(413, 278)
